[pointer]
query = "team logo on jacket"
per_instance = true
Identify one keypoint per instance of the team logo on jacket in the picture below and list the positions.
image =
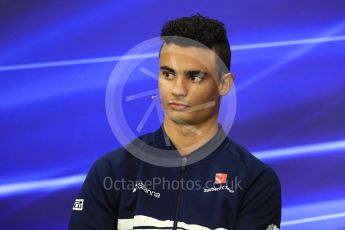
(221, 178)
(220, 183)
(78, 204)
(142, 186)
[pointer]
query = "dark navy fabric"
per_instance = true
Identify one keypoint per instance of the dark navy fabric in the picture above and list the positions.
(185, 197)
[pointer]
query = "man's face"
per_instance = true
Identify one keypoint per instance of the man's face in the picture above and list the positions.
(188, 84)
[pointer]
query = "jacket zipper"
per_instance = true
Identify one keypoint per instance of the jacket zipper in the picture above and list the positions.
(182, 173)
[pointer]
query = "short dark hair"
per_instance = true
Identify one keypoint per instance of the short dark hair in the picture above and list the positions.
(209, 32)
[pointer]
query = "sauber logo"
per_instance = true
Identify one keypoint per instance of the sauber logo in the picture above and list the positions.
(221, 178)
(222, 182)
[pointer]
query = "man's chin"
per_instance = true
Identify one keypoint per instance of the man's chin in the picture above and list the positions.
(181, 120)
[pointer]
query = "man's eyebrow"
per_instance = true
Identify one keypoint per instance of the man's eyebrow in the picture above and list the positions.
(166, 68)
(196, 72)
(201, 73)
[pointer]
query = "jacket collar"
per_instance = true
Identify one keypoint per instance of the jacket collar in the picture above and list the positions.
(162, 141)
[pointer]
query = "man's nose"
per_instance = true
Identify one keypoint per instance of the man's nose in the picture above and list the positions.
(179, 89)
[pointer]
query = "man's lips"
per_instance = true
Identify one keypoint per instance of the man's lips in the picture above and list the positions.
(178, 106)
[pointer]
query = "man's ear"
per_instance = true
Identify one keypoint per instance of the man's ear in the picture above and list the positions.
(225, 83)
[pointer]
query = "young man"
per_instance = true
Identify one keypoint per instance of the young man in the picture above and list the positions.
(218, 185)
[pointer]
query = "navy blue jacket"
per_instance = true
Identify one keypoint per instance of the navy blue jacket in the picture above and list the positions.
(227, 189)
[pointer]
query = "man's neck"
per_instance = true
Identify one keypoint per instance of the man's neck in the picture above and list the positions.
(188, 138)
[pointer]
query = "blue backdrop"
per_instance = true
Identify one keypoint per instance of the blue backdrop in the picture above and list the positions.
(56, 58)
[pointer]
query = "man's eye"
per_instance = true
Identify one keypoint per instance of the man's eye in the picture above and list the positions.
(195, 78)
(168, 75)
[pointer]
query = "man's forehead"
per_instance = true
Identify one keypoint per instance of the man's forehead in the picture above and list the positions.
(197, 55)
